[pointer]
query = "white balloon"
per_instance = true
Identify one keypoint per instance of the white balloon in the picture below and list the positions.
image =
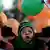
(8, 4)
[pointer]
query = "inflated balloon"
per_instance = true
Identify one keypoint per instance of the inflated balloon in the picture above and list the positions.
(1, 8)
(9, 4)
(32, 7)
(31, 18)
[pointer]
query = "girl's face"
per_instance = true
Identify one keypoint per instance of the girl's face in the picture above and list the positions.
(27, 34)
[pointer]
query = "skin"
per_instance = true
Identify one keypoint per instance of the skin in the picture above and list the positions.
(14, 24)
(28, 32)
(2, 23)
(19, 5)
(3, 19)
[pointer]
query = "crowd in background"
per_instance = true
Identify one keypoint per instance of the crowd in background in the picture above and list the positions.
(17, 32)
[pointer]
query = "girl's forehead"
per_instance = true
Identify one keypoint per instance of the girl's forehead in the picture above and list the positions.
(27, 28)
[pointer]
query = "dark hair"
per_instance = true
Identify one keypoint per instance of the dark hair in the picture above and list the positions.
(20, 16)
(6, 31)
(16, 14)
(21, 25)
(42, 1)
(46, 31)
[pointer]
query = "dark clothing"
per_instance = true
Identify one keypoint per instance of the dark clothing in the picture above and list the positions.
(7, 31)
(35, 43)
(5, 46)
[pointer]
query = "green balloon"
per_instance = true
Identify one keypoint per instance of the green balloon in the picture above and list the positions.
(32, 7)
(1, 6)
